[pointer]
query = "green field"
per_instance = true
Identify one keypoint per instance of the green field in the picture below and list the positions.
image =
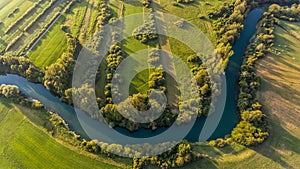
(51, 46)
(24, 144)
(193, 11)
(29, 27)
(76, 17)
(130, 45)
(8, 6)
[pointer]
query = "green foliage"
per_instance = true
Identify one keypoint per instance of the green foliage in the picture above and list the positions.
(178, 156)
(58, 76)
(146, 32)
(286, 13)
(253, 128)
(12, 93)
(22, 67)
(247, 134)
(228, 25)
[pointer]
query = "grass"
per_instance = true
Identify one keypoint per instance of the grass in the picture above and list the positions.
(8, 6)
(139, 84)
(192, 12)
(24, 144)
(76, 17)
(51, 46)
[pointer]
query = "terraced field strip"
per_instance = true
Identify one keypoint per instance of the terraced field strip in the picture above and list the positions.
(39, 26)
(47, 49)
(7, 7)
(11, 25)
(26, 144)
(76, 18)
(21, 19)
(87, 19)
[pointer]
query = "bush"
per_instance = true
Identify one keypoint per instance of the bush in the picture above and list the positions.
(147, 31)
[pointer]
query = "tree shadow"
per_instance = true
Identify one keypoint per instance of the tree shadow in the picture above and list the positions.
(133, 3)
(279, 139)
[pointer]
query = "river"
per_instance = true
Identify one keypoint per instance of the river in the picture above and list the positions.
(229, 119)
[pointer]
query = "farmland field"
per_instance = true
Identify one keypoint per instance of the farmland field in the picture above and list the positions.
(7, 6)
(26, 145)
(51, 46)
(266, 96)
(24, 30)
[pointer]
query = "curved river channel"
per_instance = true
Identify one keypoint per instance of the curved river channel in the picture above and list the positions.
(228, 121)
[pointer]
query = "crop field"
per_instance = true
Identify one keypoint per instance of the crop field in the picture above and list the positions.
(26, 29)
(83, 19)
(193, 12)
(75, 19)
(7, 7)
(26, 145)
(51, 46)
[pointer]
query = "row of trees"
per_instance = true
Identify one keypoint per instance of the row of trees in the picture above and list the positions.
(178, 156)
(146, 32)
(157, 77)
(227, 25)
(22, 67)
(23, 17)
(13, 93)
(203, 83)
(287, 13)
(58, 76)
(253, 127)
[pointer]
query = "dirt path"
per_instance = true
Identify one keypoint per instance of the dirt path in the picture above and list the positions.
(167, 59)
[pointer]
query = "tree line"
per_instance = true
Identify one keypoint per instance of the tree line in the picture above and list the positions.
(146, 32)
(12, 93)
(22, 67)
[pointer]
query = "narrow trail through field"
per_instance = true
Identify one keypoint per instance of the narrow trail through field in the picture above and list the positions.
(167, 59)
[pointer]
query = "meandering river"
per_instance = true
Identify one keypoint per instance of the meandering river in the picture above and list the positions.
(229, 119)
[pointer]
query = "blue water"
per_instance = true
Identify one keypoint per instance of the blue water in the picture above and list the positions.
(227, 123)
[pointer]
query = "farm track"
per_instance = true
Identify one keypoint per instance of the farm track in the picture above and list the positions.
(167, 59)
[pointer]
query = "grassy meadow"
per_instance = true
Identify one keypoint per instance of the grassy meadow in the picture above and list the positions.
(51, 46)
(25, 144)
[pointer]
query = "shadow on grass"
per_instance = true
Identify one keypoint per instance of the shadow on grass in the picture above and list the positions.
(133, 3)
(279, 139)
